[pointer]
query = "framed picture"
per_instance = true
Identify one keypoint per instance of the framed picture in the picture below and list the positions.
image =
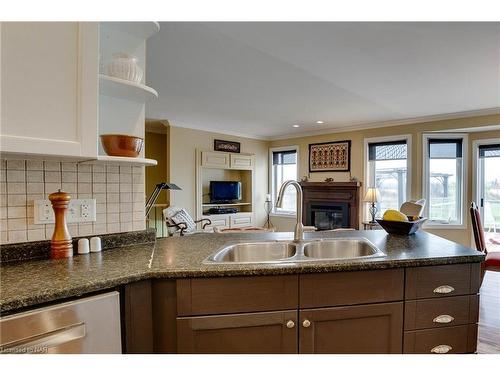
(330, 157)
(227, 146)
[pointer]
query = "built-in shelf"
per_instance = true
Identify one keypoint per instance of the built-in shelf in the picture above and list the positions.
(122, 160)
(123, 89)
(141, 30)
(226, 204)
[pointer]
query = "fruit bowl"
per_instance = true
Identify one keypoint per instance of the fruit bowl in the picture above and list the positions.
(402, 227)
(121, 145)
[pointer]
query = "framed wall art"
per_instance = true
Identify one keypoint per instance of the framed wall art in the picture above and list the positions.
(330, 157)
(227, 146)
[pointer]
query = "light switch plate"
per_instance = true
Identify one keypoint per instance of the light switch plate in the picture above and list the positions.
(79, 211)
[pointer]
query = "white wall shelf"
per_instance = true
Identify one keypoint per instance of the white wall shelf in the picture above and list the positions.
(123, 89)
(141, 30)
(122, 160)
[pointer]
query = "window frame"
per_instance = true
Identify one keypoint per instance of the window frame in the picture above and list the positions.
(463, 179)
(271, 179)
(367, 172)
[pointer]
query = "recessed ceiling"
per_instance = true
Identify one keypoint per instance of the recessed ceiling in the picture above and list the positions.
(259, 79)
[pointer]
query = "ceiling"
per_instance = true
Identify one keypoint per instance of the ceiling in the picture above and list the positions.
(259, 79)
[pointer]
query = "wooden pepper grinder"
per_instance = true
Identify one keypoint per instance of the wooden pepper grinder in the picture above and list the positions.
(61, 245)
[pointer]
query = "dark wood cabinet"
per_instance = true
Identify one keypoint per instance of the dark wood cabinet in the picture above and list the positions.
(255, 333)
(414, 310)
(362, 329)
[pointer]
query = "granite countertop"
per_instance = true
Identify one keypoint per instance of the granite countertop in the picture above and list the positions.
(30, 283)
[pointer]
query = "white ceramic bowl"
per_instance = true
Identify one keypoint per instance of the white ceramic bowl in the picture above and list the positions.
(124, 66)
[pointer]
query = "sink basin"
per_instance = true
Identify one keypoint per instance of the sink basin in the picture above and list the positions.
(341, 249)
(254, 252)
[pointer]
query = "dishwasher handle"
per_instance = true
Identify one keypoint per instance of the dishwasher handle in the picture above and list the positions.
(41, 342)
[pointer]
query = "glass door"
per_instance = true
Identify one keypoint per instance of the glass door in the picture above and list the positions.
(488, 189)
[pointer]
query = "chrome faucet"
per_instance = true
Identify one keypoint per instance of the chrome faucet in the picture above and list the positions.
(299, 227)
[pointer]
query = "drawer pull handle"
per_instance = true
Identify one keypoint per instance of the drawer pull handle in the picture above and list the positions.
(444, 289)
(443, 319)
(441, 349)
(290, 324)
(306, 323)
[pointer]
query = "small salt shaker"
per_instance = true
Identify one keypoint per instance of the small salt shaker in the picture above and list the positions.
(83, 246)
(95, 244)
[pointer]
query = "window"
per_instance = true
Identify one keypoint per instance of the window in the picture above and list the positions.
(283, 163)
(387, 170)
(444, 179)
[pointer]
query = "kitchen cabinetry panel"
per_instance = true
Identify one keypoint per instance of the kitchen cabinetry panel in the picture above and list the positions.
(255, 333)
(441, 281)
(350, 288)
(238, 161)
(215, 159)
(450, 340)
(362, 329)
(441, 312)
(236, 294)
(49, 88)
(241, 220)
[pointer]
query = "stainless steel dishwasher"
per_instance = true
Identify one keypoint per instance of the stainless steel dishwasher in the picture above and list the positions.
(85, 325)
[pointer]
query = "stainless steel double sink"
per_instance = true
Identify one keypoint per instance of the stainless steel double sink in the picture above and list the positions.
(289, 251)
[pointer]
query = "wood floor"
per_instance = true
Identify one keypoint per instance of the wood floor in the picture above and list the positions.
(489, 315)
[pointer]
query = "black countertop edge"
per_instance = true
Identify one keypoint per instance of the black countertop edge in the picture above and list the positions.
(37, 250)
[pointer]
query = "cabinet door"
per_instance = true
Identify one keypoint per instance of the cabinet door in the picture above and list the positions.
(215, 159)
(49, 88)
(241, 161)
(361, 329)
(241, 220)
(255, 333)
(218, 221)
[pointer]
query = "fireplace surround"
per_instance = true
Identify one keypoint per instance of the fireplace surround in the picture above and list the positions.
(331, 205)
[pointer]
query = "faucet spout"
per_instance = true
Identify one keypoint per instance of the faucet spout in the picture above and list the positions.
(299, 227)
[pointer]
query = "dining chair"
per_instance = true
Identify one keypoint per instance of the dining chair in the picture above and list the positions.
(492, 261)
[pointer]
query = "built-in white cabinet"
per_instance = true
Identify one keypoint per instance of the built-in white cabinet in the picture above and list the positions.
(55, 96)
(214, 159)
(241, 161)
(217, 159)
(225, 166)
(241, 220)
(218, 221)
(238, 220)
(49, 88)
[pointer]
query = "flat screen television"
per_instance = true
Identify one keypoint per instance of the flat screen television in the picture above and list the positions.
(225, 191)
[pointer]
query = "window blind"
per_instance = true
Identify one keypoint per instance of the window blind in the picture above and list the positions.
(395, 150)
(445, 148)
(284, 157)
(489, 151)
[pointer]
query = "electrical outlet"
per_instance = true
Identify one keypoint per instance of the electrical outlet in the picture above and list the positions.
(79, 211)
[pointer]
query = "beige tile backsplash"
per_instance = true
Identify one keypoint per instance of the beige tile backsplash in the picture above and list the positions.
(118, 190)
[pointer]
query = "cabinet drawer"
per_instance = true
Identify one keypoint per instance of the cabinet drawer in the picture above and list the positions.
(256, 333)
(240, 221)
(241, 161)
(236, 294)
(453, 340)
(442, 312)
(442, 281)
(351, 288)
(215, 159)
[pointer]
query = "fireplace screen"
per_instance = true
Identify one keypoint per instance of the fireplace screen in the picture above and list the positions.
(328, 216)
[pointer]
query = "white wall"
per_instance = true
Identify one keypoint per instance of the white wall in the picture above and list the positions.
(183, 145)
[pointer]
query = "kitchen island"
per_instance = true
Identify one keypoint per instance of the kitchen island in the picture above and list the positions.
(174, 302)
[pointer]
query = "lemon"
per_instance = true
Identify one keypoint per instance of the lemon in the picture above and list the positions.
(394, 215)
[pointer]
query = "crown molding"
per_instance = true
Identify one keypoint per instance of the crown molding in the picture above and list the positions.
(209, 129)
(386, 124)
